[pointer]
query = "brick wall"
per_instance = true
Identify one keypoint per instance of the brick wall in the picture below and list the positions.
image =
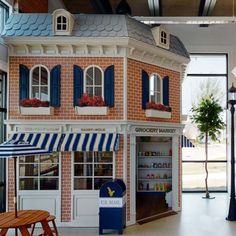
(66, 111)
(135, 111)
(66, 186)
(11, 184)
(27, 6)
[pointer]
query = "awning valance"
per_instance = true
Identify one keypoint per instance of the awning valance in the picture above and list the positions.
(45, 141)
(97, 142)
(185, 142)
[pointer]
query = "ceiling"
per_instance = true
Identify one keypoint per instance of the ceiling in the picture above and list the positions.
(155, 7)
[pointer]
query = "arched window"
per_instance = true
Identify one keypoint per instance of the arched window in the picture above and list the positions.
(39, 83)
(163, 37)
(61, 23)
(155, 94)
(94, 81)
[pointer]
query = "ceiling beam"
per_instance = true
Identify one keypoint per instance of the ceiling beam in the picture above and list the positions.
(206, 7)
(102, 6)
(155, 7)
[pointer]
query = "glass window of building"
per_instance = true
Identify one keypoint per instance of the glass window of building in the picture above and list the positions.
(207, 74)
(39, 172)
(94, 81)
(92, 169)
(40, 83)
(155, 89)
(4, 14)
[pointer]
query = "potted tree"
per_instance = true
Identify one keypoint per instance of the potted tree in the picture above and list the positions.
(207, 116)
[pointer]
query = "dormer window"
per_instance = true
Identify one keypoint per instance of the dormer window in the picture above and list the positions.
(161, 36)
(63, 22)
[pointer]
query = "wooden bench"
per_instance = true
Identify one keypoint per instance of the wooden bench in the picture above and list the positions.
(49, 219)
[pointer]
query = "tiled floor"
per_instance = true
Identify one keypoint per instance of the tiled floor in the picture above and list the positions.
(199, 217)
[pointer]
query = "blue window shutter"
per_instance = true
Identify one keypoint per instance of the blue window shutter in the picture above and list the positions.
(165, 90)
(78, 84)
(145, 89)
(24, 82)
(109, 86)
(55, 86)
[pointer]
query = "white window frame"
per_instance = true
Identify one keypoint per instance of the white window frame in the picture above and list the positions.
(62, 23)
(92, 176)
(31, 78)
(158, 77)
(94, 86)
(39, 177)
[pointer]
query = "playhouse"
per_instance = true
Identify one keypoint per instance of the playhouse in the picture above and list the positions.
(103, 93)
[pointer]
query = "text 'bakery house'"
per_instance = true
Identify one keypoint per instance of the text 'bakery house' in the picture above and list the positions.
(102, 92)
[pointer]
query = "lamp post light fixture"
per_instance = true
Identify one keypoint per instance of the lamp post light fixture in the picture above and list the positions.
(232, 205)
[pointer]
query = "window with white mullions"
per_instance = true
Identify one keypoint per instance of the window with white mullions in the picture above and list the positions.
(61, 23)
(40, 83)
(92, 169)
(39, 172)
(94, 81)
(155, 89)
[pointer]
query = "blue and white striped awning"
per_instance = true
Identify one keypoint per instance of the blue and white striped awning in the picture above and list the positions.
(94, 142)
(185, 142)
(24, 144)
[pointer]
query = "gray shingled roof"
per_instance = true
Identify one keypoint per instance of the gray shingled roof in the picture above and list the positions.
(33, 25)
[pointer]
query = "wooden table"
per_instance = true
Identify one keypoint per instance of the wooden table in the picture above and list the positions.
(24, 219)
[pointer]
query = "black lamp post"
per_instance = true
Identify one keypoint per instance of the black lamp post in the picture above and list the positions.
(232, 205)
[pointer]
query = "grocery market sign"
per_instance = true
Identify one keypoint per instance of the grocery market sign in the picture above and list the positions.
(151, 130)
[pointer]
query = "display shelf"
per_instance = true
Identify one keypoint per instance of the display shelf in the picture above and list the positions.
(155, 179)
(152, 168)
(154, 157)
(151, 191)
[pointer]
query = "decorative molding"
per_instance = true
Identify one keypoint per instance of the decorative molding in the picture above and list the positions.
(99, 47)
(36, 110)
(91, 110)
(157, 114)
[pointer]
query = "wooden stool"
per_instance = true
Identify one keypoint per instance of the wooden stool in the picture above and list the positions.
(51, 218)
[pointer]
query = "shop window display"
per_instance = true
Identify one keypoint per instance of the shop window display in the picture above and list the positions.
(39, 172)
(92, 169)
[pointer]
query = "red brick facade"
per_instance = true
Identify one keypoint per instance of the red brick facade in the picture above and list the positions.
(134, 88)
(66, 111)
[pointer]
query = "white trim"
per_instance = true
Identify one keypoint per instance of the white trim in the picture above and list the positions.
(156, 113)
(91, 110)
(111, 47)
(31, 77)
(93, 86)
(36, 110)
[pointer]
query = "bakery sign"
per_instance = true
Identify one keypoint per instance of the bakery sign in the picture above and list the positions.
(155, 130)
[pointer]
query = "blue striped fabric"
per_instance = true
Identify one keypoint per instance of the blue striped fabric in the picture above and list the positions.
(96, 142)
(23, 144)
(185, 142)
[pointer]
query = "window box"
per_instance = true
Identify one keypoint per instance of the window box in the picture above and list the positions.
(91, 110)
(157, 113)
(36, 110)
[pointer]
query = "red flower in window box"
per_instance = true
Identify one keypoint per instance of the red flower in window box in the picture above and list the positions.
(93, 101)
(33, 102)
(158, 106)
